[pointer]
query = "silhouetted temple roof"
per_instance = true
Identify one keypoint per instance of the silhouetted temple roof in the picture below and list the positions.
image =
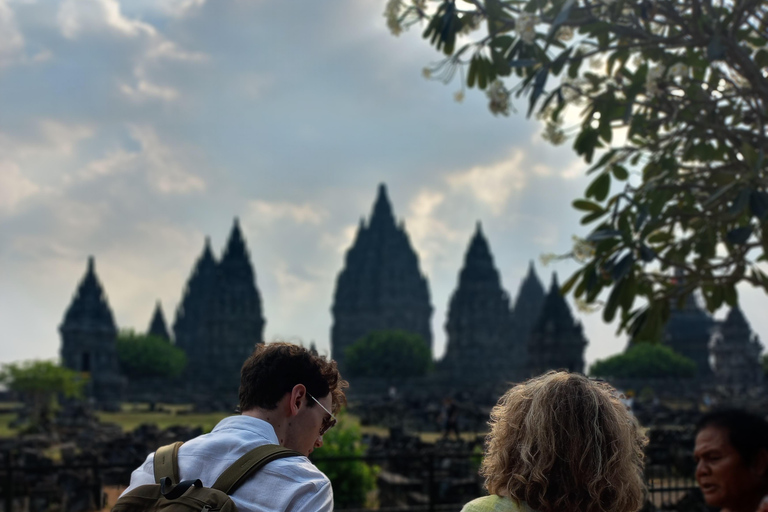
(89, 309)
(157, 326)
(531, 290)
(478, 262)
(555, 309)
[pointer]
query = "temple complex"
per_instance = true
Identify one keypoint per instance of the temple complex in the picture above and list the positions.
(381, 286)
(490, 342)
(88, 340)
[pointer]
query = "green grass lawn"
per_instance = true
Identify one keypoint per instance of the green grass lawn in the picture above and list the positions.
(132, 415)
(130, 420)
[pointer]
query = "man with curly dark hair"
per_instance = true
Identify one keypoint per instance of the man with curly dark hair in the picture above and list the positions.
(288, 397)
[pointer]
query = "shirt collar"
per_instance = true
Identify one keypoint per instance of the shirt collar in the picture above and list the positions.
(251, 424)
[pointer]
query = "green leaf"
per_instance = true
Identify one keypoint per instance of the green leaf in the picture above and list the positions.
(619, 172)
(758, 204)
(622, 267)
(587, 206)
(566, 287)
(592, 217)
(739, 236)
(472, 72)
(609, 311)
(599, 187)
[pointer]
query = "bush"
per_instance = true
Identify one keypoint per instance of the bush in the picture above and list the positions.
(352, 480)
(390, 354)
(144, 356)
(645, 360)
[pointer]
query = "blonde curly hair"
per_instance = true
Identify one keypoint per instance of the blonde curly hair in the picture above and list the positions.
(564, 443)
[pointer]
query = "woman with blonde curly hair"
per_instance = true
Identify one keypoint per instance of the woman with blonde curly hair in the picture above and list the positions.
(561, 442)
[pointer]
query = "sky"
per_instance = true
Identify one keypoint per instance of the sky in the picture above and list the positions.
(131, 130)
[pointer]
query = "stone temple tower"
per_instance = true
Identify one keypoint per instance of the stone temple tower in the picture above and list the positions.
(88, 340)
(484, 345)
(219, 320)
(557, 341)
(736, 353)
(530, 299)
(238, 322)
(380, 286)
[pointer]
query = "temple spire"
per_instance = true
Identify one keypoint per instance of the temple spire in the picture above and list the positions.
(89, 304)
(157, 326)
(478, 261)
(382, 209)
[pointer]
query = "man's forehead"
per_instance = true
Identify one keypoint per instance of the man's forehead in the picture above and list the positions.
(710, 438)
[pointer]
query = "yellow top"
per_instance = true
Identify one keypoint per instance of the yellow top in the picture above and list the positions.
(494, 503)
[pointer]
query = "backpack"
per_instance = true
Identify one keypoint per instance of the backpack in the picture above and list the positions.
(170, 495)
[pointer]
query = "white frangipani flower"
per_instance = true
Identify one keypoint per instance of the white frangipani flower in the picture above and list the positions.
(471, 22)
(392, 13)
(526, 27)
(652, 80)
(554, 134)
(499, 98)
(564, 33)
(678, 70)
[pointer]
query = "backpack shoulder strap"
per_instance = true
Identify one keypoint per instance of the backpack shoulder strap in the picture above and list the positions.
(248, 464)
(167, 462)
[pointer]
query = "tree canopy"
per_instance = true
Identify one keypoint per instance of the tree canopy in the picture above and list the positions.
(670, 98)
(644, 360)
(143, 356)
(39, 383)
(388, 354)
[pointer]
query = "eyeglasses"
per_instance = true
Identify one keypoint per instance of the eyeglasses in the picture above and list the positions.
(328, 422)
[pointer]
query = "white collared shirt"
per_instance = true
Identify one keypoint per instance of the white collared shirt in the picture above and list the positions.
(292, 484)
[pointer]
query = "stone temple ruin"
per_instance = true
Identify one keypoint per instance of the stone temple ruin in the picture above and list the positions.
(491, 340)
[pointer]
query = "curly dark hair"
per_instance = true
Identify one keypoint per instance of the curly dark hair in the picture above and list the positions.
(274, 369)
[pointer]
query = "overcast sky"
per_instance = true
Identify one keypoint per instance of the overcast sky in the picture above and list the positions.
(132, 130)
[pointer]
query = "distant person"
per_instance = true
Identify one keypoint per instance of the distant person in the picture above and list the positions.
(288, 397)
(561, 442)
(731, 456)
(449, 417)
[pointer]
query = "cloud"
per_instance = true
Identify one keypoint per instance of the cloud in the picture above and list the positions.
(164, 49)
(145, 90)
(431, 230)
(14, 187)
(11, 39)
(164, 170)
(269, 212)
(493, 184)
(80, 16)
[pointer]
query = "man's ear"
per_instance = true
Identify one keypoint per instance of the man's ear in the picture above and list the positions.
(296, 400)
(761, 463)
